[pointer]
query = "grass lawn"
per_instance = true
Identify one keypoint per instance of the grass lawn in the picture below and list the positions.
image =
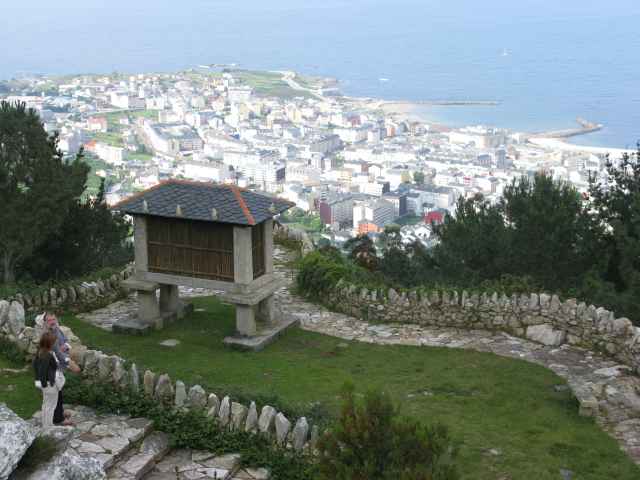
(143, 157)
(17, 390)
(489, 402)
(269, 84)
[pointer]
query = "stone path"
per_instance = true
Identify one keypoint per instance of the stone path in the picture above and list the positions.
(125, 448)
(104, 318)
(605, 389)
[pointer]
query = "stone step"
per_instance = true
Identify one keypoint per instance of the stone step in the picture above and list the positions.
(197, 465)
(141, 460)
(93, 445)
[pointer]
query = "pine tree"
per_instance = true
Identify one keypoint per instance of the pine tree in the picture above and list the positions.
(37, 186)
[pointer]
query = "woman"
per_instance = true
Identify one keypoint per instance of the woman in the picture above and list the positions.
(45, 366)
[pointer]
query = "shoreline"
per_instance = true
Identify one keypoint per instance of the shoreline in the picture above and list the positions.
(408, 111)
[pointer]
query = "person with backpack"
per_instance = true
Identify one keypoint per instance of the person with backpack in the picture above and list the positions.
(62, 351)
(48, 377)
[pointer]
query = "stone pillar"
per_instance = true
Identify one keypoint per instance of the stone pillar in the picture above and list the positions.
(242, 255)
(148, 307)
(266, 309)
(245, 320)
(268, 246)
(140, 243)
(169, 298)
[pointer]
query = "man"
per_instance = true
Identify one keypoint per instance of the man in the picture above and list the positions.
(62, 352)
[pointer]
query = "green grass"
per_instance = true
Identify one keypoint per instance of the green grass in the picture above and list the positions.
(17, 389)
(111, 138)
(489, 402)
(143, 157)
(269, 84)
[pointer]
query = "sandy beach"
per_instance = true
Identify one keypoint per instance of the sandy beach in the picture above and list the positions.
(555, 144)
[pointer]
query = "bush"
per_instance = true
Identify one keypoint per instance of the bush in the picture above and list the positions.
(11, 352)
(372, 442)
(321, 270)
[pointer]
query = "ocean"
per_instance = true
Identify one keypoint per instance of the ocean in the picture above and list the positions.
(546, 62)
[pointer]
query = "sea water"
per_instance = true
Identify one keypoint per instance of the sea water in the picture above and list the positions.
(546, 61)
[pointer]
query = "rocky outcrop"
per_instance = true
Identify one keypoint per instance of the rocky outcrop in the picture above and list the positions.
(70, 466)
(16, 436)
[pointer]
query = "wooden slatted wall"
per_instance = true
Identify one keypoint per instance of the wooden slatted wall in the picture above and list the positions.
(190, 248)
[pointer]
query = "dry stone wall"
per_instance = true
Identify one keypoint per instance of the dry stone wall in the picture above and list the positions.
(540, 317)
(70, 295)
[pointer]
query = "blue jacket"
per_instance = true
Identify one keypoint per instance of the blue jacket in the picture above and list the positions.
(61, 340)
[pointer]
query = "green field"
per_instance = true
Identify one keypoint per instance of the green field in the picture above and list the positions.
(490, 403)
(17, 389)
(269, 84)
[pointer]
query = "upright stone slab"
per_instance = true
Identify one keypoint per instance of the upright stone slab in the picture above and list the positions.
(197, 397)
(134, 378)
(164, 390)
(181, 394)
(149, 382)
(267, 419)
(224, 415)
(283, 426)
(213, 405)
(120, 379)
(4, 312)
(300, 434)
(251, 425)
(238, 415)
(16, 318)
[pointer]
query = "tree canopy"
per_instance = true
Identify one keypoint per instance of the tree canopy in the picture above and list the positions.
(46, 229)
(37, 187)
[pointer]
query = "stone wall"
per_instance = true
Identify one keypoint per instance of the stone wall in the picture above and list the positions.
(283, 233)
(538, 317)
(83, 293)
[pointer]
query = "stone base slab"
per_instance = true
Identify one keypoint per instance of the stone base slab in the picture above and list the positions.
(135, 326)
(264, 337)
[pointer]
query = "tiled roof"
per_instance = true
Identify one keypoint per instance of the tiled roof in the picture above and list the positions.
(197, 201)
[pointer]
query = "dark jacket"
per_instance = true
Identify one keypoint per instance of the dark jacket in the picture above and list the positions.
(45, 367)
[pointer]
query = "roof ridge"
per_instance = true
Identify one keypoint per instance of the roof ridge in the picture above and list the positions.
(243, 205)
(140, 194)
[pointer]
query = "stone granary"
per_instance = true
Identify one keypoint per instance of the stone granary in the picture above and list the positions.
(206, 235)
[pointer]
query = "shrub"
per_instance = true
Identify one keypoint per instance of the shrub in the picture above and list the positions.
(11, 351)
(372, 442)
(320, 271)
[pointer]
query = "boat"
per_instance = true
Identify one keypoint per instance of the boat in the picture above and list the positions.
(383, 80)
(505, 52)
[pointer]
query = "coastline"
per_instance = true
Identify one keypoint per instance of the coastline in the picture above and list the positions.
(414, 112)
(555, 144)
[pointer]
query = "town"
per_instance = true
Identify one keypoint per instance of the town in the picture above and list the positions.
(350, 165)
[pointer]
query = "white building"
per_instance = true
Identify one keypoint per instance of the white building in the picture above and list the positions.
(378, 212)
(208, 171)
(110, 154)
